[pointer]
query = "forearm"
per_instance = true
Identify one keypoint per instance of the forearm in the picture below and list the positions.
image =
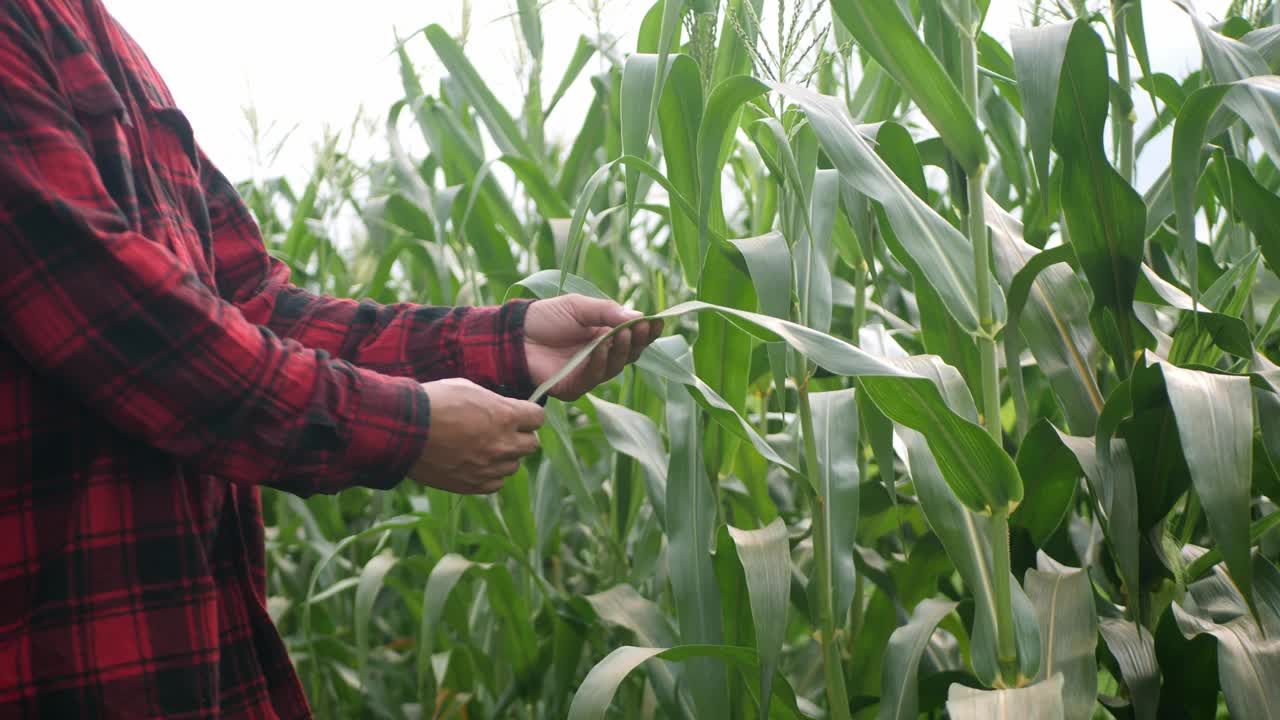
(484, 345)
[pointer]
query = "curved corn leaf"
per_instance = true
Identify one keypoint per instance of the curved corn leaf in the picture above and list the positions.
(1214, 415)
(1133, 647)
(1106, 217)
(899, 695)
(1108, 470)
(1064, 605)
(979, 472)
(621, 605)
(1248, 652)
(1042, 701)
(443, 579)
(766, 562)
(372, 577)
(636, 436)
(595, 695)
(1225, 331)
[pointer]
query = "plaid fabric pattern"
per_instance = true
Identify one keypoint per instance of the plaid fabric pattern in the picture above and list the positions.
(156, 369)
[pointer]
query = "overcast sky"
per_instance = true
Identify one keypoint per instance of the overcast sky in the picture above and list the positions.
(308, 64)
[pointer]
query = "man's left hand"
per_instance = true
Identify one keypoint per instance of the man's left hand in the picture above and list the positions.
(556, 329)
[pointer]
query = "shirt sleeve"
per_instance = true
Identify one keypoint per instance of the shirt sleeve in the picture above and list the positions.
(128, 329)
(482, 344)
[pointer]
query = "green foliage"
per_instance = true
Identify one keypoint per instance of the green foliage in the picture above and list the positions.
(823, 495)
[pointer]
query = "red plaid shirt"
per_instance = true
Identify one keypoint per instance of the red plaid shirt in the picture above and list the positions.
(156, 368)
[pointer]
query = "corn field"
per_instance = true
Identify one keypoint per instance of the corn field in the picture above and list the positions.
(952, 419)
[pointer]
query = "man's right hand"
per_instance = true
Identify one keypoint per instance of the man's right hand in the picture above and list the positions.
(477, 438)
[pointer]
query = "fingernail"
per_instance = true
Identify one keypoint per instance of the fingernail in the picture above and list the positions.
(632, 314)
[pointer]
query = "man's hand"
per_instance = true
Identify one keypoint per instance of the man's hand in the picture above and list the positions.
(477, 438)
(556, 329)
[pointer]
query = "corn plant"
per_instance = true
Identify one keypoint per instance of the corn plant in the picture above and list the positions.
(953, 417)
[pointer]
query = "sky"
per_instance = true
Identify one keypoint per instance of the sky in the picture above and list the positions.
(305, 66)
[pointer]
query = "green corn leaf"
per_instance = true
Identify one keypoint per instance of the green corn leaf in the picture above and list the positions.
(768, 260)
(502, 128)
(622, 606)
(1038, 55)
(1257, 206)
(679, 118)
(581, 56)
(531, 26)
(595, 695)
(372, 577)
(1133, 647)
(640, 83)
(816, 251)
(1106, 217)
(1050, 315)
(964, 534)
(1225, 58)
(715, 136)
(1038, 58)
(463, 162)
(1256, 100)
(690, 527)
(1051, 474)
(1064, 605)
(720, 346)
(1215, 423)
(943, 255)
(577, 227)
(835, 427)
(587, 145)
(899, 696)
(444, 577)
(980, 473)
(636, 436)
(556, 438)
(766, 562)
(1042, 701)
(1224, 331)
(883, 31)
(1108, 470)
(1248, 657)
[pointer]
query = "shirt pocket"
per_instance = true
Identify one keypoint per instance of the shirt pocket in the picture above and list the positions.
(103, 117)
(174, 163)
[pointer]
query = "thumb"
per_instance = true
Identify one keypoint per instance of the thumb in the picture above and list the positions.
(594, 312)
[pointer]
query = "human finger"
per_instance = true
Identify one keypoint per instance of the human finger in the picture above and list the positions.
(619, 352)
(528, 416)
(524, 445)
(500, 470)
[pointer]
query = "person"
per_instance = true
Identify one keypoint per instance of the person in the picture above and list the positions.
(157, 369)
